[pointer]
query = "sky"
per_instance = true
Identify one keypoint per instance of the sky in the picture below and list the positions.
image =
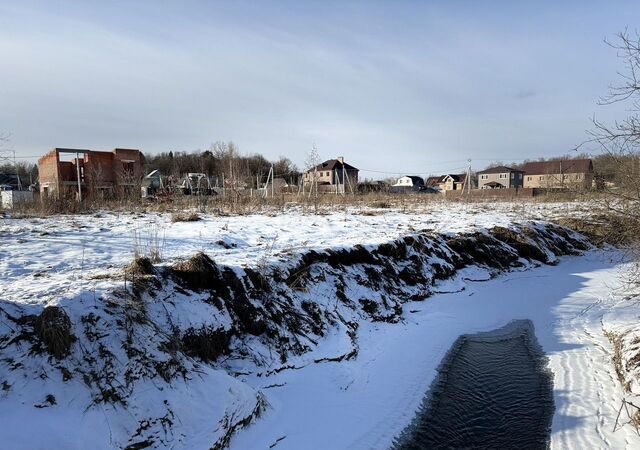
(398, 87)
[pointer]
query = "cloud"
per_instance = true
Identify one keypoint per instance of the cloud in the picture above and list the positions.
(525, 93)
(387, 87)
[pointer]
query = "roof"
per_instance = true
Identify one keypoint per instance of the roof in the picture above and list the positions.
(433, 181)
(414, 178)
(559, 166)
(334, 164)
(499, 169)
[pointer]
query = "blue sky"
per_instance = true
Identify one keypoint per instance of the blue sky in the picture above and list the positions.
(414, 87)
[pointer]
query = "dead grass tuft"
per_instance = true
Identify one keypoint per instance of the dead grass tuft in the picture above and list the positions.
(206, 343)
(185, 217)
(53, 328)
(382, 204)
(140, 266)
(198, 272)
(616, 340)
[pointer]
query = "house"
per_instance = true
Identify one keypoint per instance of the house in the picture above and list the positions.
(448, 182)
(332, 173)
(80, 172)
(407, 183)
(500, 177)
(565, 173)
(152, 183)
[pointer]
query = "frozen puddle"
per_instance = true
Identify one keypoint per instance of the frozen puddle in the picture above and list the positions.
(493, 390)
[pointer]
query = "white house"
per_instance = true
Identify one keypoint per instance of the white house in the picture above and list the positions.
(409, 181)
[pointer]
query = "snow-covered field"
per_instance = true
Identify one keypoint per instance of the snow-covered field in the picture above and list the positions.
(45, 259)
(363, 402)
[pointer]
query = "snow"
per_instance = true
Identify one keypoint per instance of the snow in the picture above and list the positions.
(45, 259)
(364, 403)
(77, 261)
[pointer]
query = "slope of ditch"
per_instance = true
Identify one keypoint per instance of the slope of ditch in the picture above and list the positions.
(169, 336)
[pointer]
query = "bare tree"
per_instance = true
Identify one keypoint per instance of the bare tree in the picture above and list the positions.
(620, 141)
(311, 175)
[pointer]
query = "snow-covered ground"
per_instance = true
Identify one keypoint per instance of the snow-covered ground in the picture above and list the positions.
(45, 259)
(364, 403)
(76, 262)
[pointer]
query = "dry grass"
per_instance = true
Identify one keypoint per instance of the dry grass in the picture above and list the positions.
(53, 328)
(198, 272)
(149, 243)
(206, 343)
(182, 207)
(184, 217)
(140, 266)
(616, 340)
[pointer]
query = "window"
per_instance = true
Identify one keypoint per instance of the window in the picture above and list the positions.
(503, 175)
(484, 177)
(513, 175)
(541, 178)
(529, 178)
(128, 167)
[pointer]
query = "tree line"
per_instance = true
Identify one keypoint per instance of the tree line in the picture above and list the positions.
(222, 160)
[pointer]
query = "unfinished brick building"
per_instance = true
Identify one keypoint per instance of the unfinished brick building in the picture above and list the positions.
(80, 173)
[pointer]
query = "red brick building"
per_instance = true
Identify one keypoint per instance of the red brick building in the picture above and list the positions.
(65, 171)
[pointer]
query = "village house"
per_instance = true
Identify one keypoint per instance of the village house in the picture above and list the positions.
(448, 182)
(79, 172)
(567, 173)
(410, 181)
(500, 177)
(334, 172)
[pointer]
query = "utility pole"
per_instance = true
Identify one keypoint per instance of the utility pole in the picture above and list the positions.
(272, 176)
(78, 176)
(468, 178)
(15, 164)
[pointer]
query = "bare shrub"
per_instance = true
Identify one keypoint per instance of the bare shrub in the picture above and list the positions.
(149, 243)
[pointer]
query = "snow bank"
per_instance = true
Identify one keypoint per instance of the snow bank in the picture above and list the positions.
(162, 358)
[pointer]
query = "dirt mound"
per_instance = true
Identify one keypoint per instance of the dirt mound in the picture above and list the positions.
(198, 272)
(140, 266)
(517, 240)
